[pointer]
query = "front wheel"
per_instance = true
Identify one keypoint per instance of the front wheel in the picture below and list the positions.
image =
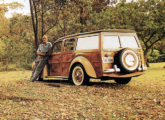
(79, 76)
(122, 80)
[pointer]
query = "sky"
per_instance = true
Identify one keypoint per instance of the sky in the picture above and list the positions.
(25, 9)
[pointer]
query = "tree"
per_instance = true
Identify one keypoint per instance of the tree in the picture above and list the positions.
(17, 45)
(59, 15)
(4, 25)
(147, 18)
(34, 16)
(63, 17)
(3, 21)
(44, 15)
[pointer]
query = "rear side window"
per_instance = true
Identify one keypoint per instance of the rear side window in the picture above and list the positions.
(111, 42)
(86, 43)
(57, 47)
(69, 44)
(128, 41)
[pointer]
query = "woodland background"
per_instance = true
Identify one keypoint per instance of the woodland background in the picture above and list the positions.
(20, 35)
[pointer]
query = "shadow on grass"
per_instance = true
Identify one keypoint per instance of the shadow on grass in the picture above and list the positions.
(53, 83)
(104, 84)
(17, 98)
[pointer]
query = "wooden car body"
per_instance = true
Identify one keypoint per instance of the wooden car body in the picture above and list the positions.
(89, 50)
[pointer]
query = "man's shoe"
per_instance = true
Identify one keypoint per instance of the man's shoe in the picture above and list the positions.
(32, 80)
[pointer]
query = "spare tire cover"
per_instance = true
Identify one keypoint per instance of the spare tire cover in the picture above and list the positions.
(127, 60)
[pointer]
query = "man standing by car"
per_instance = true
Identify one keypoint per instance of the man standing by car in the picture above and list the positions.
(41, 59)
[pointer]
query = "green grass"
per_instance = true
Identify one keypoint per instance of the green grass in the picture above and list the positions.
(14, 67)
(142, 99)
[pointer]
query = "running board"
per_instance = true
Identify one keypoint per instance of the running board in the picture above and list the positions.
(55, 77)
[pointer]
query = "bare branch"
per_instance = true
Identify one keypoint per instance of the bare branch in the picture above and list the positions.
(160, 38)
(51, 27)
(151, 36)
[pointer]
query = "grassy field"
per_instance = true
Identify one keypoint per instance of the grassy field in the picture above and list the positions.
(142, 99)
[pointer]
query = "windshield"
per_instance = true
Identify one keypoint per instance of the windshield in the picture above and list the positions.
(114, 42)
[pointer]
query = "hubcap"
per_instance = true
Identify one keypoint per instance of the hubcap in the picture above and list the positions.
(78, 75)
(130, 60)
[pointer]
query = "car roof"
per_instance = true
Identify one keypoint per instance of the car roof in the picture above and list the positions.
(98, 31)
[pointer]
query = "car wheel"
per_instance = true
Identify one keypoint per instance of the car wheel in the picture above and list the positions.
(79, 76)
(127, 60)
(122, 80)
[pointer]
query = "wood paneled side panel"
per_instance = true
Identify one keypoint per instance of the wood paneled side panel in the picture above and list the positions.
(55, 59)
(67, 58)
(55, 65)
(65, 69)
(95, 59)
(54, 69)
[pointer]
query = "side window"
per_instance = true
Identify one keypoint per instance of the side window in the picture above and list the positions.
(57, 47)
(111, 42)
(69, 44)
(85, 43)
(129, 41)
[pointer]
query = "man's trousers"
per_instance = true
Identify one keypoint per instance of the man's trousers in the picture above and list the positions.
(40, 62)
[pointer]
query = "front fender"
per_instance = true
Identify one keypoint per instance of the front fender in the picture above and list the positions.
(86, 64)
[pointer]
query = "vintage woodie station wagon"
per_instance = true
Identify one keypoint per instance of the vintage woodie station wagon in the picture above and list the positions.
(105, 54)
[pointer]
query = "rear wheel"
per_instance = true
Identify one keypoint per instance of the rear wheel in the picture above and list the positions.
(122, 80)
(79, 76)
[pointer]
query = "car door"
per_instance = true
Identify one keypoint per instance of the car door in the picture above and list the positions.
(67, 55)
(55, 60)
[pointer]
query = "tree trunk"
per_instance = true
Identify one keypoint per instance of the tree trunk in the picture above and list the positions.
(146, 55)
(34, 22)
(42, 19)
(81, 19)
(7, 64)
(0, 58)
